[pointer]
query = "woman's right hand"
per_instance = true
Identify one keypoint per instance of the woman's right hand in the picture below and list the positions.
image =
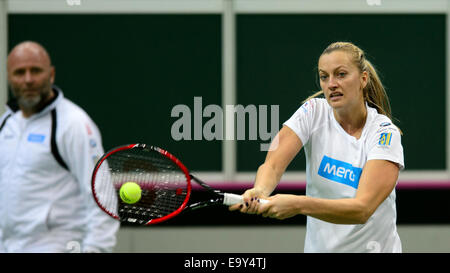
(250, 203)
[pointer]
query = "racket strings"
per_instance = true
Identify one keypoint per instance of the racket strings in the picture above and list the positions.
(163, 184)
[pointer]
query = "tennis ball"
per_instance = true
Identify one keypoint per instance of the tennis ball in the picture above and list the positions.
(130, 192)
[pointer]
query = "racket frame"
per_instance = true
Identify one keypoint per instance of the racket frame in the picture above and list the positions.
(162, 152)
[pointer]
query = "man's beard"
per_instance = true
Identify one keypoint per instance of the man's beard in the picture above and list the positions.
(29, 103)
(35, 103)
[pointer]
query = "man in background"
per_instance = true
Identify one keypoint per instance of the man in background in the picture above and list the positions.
(48, 149)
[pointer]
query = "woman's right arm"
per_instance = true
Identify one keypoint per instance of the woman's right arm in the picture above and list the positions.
(283, 149)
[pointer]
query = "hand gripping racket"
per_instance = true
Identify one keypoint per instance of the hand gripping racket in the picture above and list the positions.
(165, 183)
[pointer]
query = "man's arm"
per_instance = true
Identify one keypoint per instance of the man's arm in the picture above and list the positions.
(85, 148)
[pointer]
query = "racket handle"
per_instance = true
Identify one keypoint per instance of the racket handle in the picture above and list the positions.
(231, 199)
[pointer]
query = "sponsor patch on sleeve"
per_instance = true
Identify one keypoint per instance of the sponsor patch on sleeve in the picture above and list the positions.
(385, 139)
(304, 107)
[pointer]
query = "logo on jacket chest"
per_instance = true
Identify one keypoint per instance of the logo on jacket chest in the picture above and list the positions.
(339, 171)
(36, 138)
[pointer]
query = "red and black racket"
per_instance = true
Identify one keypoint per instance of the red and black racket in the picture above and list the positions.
(165, 183)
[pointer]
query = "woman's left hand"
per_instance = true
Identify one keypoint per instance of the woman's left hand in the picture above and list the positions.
(281, 206)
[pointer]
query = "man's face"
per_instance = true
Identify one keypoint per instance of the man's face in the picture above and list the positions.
(30, 76)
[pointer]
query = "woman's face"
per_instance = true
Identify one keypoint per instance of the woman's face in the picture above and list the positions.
(340, 80)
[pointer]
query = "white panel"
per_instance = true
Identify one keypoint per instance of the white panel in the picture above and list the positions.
(258, 239)
(228, 89)
(115, 6)
(341, 6)
(3, 55)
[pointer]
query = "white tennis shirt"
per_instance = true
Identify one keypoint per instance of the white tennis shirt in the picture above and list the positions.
(334, 163)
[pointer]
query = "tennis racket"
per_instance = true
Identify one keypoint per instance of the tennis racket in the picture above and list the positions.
(164, 181)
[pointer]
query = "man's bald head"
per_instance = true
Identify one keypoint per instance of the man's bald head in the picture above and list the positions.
(29, 49)
(30, 76)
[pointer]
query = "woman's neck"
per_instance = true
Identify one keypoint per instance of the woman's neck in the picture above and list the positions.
(352, 119)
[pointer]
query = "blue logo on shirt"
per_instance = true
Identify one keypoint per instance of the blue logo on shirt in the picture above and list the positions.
(36, 138)
(339, 171)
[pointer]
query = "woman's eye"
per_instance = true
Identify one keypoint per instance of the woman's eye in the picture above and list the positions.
(342, 74)
(323, 77)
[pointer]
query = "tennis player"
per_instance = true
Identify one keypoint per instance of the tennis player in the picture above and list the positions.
(353, 158)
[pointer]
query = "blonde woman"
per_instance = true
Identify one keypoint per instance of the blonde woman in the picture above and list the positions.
(353, 158)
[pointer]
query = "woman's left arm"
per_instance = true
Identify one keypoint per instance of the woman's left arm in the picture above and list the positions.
(377, 181)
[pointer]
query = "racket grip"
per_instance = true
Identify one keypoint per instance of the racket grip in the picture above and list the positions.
(231, 199)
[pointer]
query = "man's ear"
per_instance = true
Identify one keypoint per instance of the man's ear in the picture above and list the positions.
(52, 74)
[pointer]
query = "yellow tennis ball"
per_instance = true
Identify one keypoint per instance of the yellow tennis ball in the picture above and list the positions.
(130, 192)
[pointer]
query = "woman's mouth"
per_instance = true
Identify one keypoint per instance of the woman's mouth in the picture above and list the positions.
(335, 96)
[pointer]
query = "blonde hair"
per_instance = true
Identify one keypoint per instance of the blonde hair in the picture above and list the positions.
(374, 93)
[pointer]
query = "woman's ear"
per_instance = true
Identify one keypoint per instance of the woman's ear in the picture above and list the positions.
(364, 79)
